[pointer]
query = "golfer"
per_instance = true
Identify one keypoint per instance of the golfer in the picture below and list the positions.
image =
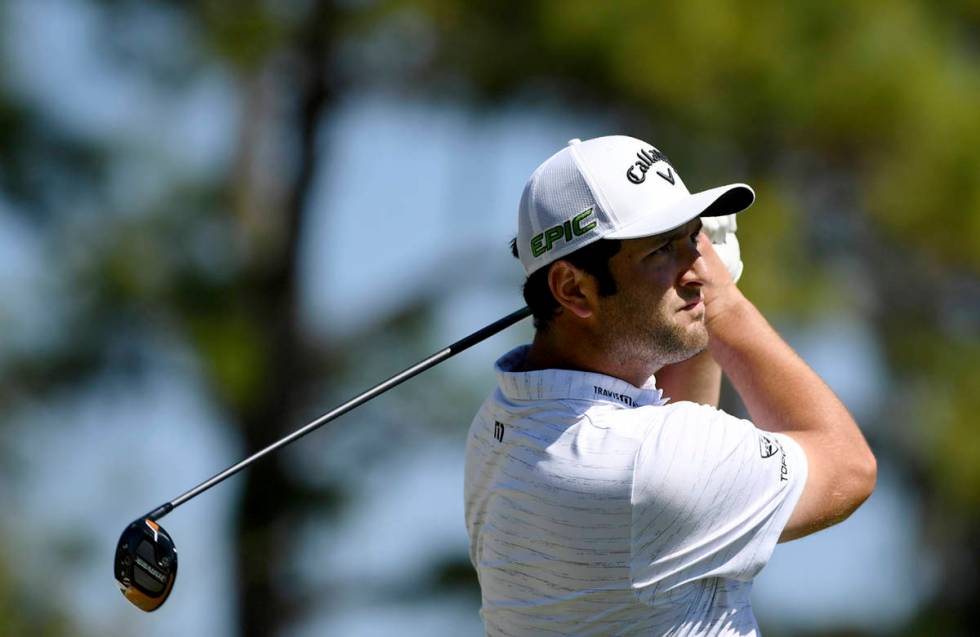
(605, 492)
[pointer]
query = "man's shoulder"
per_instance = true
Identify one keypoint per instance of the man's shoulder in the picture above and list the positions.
(714, 438)
(693, 427)
(685, 413)
(676, 414)
(643, 423)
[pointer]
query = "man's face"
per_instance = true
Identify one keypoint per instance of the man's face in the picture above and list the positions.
(657, 313)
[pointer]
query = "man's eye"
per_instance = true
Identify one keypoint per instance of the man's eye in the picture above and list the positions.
(665, 248)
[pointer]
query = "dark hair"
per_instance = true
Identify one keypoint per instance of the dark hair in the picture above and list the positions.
(593, 258)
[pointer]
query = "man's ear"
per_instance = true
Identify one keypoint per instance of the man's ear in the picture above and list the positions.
(573, 288)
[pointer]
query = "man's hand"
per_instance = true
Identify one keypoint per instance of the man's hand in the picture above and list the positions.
(718, 289)
(721, 231)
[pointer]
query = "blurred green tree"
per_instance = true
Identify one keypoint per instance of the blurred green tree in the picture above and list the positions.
(144, 273)
(206, 260)
(858, 128)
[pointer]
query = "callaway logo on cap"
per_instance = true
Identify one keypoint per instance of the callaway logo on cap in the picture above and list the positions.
(613, 187)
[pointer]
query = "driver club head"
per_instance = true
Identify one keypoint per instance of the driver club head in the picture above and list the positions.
(146, 564)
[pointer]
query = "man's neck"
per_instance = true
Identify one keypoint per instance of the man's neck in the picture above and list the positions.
(580, 352)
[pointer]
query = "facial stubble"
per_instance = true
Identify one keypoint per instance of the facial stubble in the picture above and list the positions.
(659, 336)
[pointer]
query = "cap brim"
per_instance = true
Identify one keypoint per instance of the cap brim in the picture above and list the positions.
(716, 202)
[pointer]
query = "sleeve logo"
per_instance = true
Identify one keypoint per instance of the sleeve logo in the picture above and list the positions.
(767, 446)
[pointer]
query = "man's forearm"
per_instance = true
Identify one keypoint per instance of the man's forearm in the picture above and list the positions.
(698, 379)
(778, 388)
(783, 394)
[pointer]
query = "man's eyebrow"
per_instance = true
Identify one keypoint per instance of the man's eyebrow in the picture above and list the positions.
(677, 233)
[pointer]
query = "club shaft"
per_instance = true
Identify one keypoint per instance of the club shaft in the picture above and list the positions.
(340, 410)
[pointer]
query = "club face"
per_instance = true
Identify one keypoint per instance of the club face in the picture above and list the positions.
(146, 564)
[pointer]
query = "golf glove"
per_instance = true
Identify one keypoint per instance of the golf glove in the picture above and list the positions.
(721, 231)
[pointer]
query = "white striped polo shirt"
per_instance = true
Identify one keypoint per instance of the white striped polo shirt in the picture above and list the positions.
(595, 507)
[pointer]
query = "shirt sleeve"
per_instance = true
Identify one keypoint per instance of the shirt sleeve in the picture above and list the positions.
(711, 495)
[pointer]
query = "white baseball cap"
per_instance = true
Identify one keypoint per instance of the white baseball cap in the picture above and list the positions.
(613, 187)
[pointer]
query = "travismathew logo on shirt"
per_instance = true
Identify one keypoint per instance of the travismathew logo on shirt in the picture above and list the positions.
(605, 393)
(637, 172)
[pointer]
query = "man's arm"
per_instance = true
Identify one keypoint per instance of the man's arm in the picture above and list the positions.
(782, 394)
(698, 379)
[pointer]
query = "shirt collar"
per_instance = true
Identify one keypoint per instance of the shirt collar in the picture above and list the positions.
(560, 384)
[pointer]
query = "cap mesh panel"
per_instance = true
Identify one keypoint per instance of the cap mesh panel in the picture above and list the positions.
(566, 193)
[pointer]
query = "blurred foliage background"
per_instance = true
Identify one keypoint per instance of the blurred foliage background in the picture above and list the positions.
(858, 124)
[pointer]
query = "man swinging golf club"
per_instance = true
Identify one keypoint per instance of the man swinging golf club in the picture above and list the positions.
(605, 492)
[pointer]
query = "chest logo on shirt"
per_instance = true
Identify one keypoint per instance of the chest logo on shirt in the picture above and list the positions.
(498, 431)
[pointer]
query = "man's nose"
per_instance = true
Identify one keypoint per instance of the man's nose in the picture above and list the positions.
(690, 256)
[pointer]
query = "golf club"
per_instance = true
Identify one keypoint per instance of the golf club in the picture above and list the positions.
(145, 564)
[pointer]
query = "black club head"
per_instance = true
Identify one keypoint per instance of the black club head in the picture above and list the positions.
(146, 564)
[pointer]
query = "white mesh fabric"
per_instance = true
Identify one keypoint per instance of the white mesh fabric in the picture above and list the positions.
(554, 194)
